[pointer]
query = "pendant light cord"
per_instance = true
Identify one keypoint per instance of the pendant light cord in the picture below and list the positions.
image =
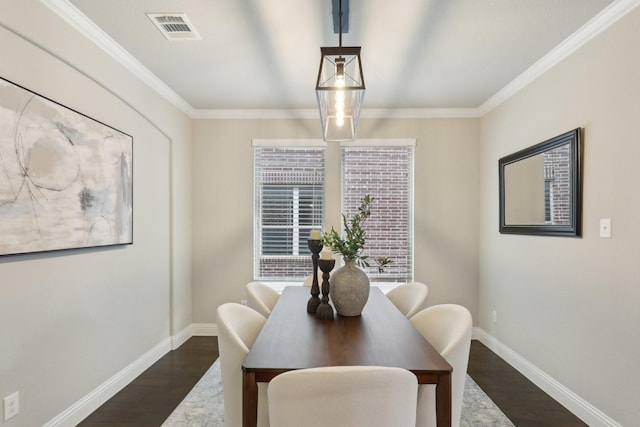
(340, 26)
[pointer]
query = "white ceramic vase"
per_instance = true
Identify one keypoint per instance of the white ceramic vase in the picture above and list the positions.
(349, 289)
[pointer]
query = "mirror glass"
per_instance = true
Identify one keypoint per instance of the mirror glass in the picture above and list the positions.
(540, 188)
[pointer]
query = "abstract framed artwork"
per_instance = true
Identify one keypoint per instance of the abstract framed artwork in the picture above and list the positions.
(66, 180)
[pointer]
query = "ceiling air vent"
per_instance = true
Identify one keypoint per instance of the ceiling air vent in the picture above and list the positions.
(174, 26)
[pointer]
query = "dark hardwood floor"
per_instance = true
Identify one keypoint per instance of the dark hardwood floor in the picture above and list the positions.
(524, 403)
(151, 397)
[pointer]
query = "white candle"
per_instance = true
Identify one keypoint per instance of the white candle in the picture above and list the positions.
(326, 254)
(314, 235)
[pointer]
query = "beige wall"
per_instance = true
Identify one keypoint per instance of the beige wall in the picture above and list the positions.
(72, 320)
(570, 306)
(446, 202)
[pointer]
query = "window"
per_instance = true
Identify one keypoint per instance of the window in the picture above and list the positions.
(288, 217)
(386, 173)
(289, 196)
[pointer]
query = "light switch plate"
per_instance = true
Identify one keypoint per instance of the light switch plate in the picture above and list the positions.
(605, 228)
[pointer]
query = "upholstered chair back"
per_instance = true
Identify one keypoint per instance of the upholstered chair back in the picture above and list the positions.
(409, 298)
(447, 327)
(238, 327)
(261, 297)
(354, 396)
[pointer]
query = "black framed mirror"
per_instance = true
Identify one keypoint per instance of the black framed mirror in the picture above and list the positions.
(541, 188)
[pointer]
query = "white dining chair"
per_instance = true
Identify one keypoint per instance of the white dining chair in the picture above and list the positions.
(261, 297)
(447, 327)
(354, 396)
(409, 298)
(238, 327)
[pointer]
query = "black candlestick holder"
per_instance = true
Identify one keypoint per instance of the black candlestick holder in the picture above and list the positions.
(325, 311)
(315, 246)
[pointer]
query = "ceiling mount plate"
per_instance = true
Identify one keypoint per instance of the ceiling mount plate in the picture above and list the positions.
(335, 11)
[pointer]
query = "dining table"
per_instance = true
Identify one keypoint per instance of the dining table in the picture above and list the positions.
(292, 338)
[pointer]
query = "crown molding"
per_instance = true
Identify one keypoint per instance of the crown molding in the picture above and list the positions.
(588, 31)
(256, 114)
(89, 29)
(591, 29)
(418, 113)
(373, 113)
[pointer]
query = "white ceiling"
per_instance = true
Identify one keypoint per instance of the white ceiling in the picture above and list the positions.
(417, 54)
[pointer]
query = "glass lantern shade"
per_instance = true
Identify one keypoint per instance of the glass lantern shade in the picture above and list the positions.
(340, 90)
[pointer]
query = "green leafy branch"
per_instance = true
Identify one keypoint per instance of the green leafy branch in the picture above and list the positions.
(351, 245)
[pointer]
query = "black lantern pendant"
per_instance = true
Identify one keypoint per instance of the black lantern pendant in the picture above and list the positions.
(340, 90)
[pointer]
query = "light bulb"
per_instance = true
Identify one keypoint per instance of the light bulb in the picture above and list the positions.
(340, 72)
(340, 108)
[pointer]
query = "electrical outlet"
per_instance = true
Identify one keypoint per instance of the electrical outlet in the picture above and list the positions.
(11, 406)
(494, 316)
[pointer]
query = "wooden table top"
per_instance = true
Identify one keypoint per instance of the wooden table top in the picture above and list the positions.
(294, 339)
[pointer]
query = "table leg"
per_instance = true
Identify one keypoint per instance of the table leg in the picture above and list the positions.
(443, 400)
(249, 399)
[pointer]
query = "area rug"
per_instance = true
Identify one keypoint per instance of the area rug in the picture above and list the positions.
(204, 407)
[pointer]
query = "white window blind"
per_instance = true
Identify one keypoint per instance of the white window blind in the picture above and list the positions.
(289, 195)
(386, 173)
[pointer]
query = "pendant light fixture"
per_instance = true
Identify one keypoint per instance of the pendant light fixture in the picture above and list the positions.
(340, 89)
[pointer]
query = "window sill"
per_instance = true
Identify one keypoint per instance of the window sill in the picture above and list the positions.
(279, 286)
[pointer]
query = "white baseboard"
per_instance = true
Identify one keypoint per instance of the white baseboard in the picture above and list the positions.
(574, 403)
(204, 329)
(181, 337)
(92, 401)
